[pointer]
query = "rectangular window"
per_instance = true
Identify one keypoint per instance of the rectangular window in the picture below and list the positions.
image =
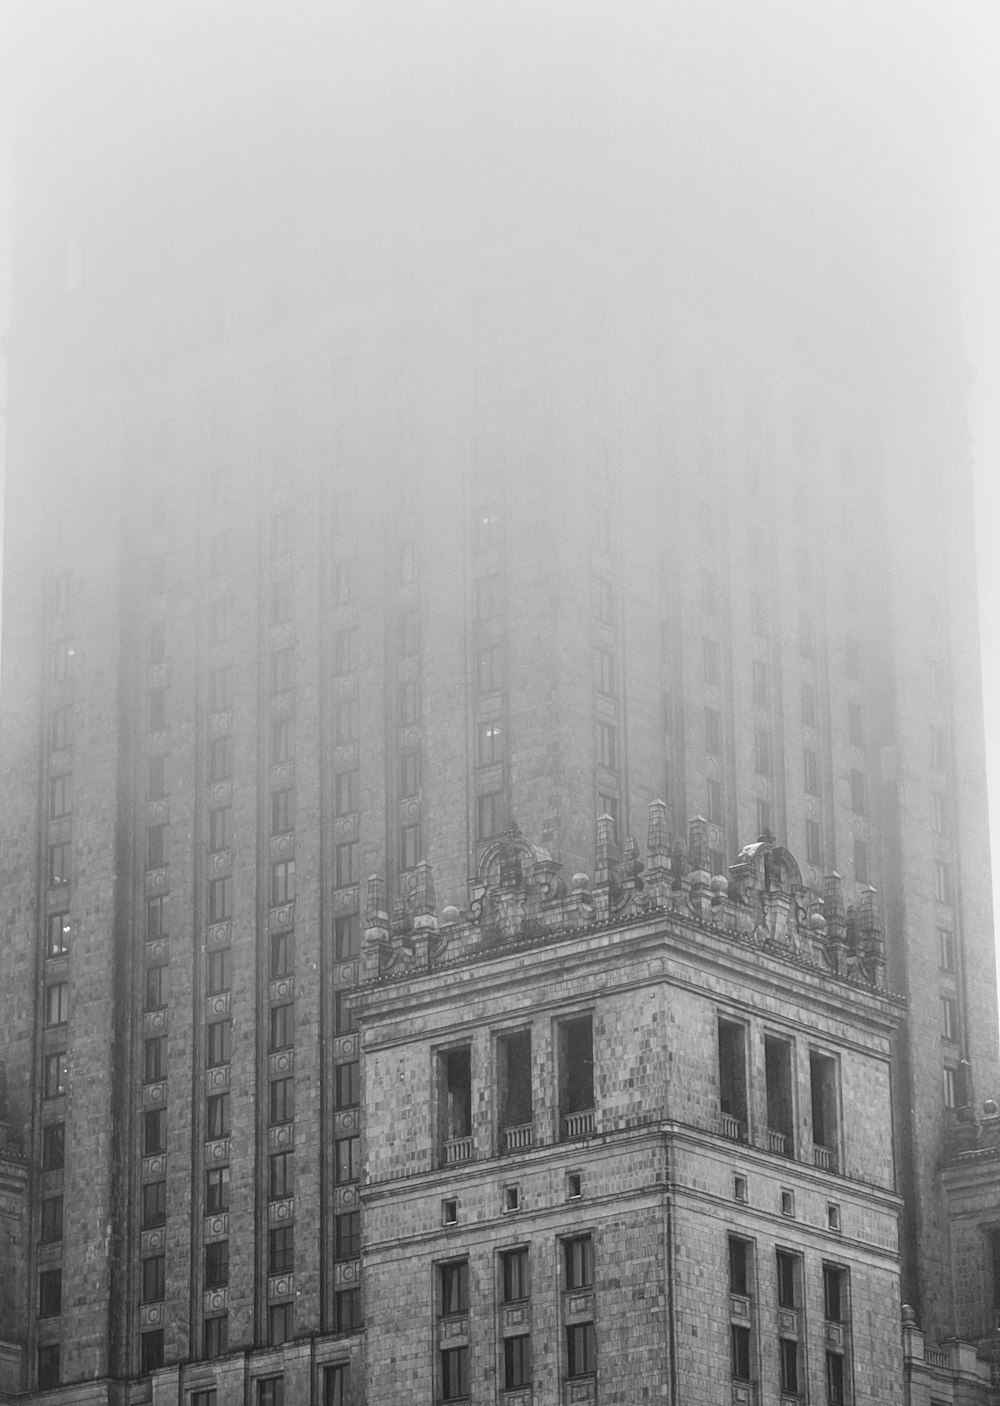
(220, 621)
(713, 732)
(788, 1362)
(282, 954)
(346, 792)
(860, 861)
(154, 1278)
(517, 1361)
(409, 846)
(282, 812)
(156, 709)
(220, 828)
(409, 632)
(59, 865)
(61, 727)
(409, 774)
(814, 845)
(220, 759)
(345, 651)
(220, 900)
(50, 1293)
(51, 1223)
(940, 814)
(217, 1264)
(54, 1075)
(778, 1090)
(345, 1017)
(942, 882)
(606, 672)
(949, 1018)
(489, 668)
(59, 798)
(346, 1160)
(489, 597)
(283, 740)
(220, 963)
(151, 1350)
(578, 1262)
(604, 601)
(811, 771)
(217, 1122)
(216, 1190)
(49, 1365)
(858, 792)
(762, 751)
(63, 656)
(346, 936)
(575, 1046)
(739, 1347)
(950, 1077)
(454, 1373)
(281, 1250)
(835, 1298)
(347, 1235)
(514, 1271)
(454, 1284)
(220, 689)
(740, 1266)
(490, 814)
(282, 670)
(154, 1063)
(825, 1107)
(710, 661)
(282, 882)
(455, 1093)
(53, 1147)
(154, 1204)
(271, 1391)
(215, 1339)
(154, 1132)
(156, 778)
(155, 846)
(281, 1033)
(581, 1350)
(713, 799)
(347, 864)
(733, 1079)
(347, 1084)
(490, 742)
(347, 1310)
(335, 1385)
(57, 1003)
(606, 748)
(835, 1377)
(788, 1274)
(946, 950)
(218, 1043)
(514, 1091)
(282, 1101)
(855, 725)
(281, 1175)
(156, 918)
(409, 703)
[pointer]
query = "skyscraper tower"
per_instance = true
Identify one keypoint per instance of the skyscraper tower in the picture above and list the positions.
(368, 498)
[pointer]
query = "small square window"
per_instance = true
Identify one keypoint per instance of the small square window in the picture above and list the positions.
(574, 1185)
(449, 1212)
(512, 1198)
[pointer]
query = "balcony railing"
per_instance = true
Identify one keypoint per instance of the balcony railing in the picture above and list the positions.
(457, 1149)
(733, 1127)
(514, 1139)
(578, 1124)
(778, 1142)
(825, 1157)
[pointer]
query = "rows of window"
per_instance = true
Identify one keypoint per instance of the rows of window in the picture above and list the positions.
(270, 1390)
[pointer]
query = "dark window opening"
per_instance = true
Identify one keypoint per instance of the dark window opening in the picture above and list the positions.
(778, 1079)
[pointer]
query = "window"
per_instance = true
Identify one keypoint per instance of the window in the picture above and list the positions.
(409, 632)
(858, 792)
(156, 709)
(942, 882)
(860, 861)
(814, 846)
(517, 1361)
(576, 1074)
(449, 1212)
(764, 818)
(50, 1293)
(713, 731)
(154, 1132)
(216, 1190)
(57, 1003)
(454, 1284)
(409, 703)
(156, 778)
(345, 1017)
(950, 1087)
(489, 597)
(220, 900)
(455, 1093)
(49, 1365)
(733, 1079)
(215, 1337)
(710, 661)
(220, 621)
(409, 846)
(63, 655)
(604, 601)
(282, 882)
(855, 725)
(282, 1026)
(486, 521)
(454, 1373)
(282, 670)
(490, 814)
(788, 1273)
(283, 740)
(58, 930)
(51, 1224)
(346, 936)
(347, 864)
(154, 1204)
(216, 1264)
(281, 1250)
(489, 668)
(282, 954)
(835, 1379)
(347, 1310)
(154, 1063)
(156, 918)
(825, 1111)
(218, 1043)
(946, 950)
(788, 1363)
(605, 671)
(949, 1018)
(282, 812)
(155, 846)
(490, 742)
(153, 1278)
(811, 771)
(778, 1091)
(220, 690)
(514, 1281)
(59, 801)
(54, 1075)
(346, 1160)
(740, 1266)
(220, 759)
(335, 1384)
(514, 1079)
(346, 790)
(578, 1262)
(347, 1085)
(217, 1116)
(220, 828)
(940, 812)
(61, 727)
(282, 1101)
(409, 774)
(151, 1351)
(713, 799)
(59, 865)
(739, 1347)
(759, 676)
(581, 1350)
(219, 970)
(834, 1293)
(762, 751)
(347, 1235)
(606, 748)
(271, 1391)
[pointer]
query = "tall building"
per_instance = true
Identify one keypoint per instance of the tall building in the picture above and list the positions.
(382, 477)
